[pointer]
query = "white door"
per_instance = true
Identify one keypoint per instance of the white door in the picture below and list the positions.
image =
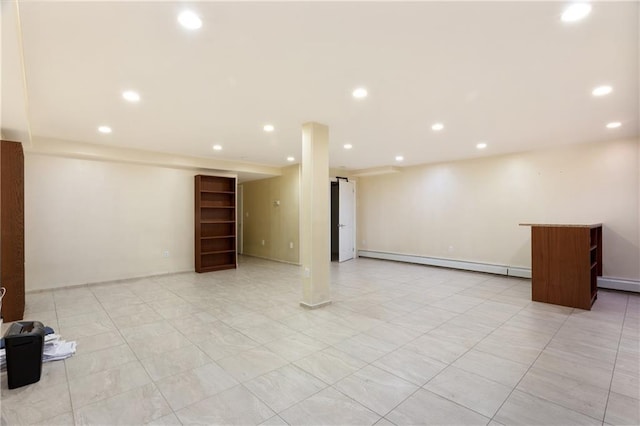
(346, 220)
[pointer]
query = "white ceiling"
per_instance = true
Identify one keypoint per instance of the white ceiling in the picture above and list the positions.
(507, 73)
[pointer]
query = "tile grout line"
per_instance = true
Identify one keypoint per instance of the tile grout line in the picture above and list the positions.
(66, 370)
(613, 371)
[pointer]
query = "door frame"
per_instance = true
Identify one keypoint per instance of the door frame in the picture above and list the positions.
(355, 211)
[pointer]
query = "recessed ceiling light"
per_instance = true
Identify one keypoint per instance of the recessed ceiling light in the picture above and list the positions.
(437, 127)
(189, 20)
(481, 145)
(614, 125)
(360, 93)
(291, 158)
(576, 12)
(217, 147)
(269, 128)
(348, 146)
(104, 129)
(602, 90)
(131, 96)
(399, 158)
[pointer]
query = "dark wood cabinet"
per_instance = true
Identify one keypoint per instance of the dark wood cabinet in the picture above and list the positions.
(215, 223)
(12, 229)
(566, 261)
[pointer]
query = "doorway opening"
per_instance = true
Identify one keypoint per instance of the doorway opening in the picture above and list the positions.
(343, 219)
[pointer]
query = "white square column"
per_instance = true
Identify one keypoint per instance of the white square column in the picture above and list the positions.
(315, 220)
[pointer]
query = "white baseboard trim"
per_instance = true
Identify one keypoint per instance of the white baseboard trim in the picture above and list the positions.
(514, 271)
(619, 284)
(511, 271)
(446, 263)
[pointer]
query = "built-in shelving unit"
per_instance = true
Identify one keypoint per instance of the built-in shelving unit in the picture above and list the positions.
(566, 261)
(12, 229)
(215, 223)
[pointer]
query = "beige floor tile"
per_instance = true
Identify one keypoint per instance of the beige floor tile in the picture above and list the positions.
(296, 346)
(330, 332)
(158, 345)
(622, 410)
(469, 390)
(365, 347)
(511, 351)
(576, 367)
(491, 367)
(330, 365)
(438, 348)
(411, 366)
(173, 362)
(376, 389)
(189, 387)
(526, 410)
(104, 384)
(65, 419)
(234, 406)
(626, 383)
(274, 421)
(329, 407)
(394, 334)
(569, 393)
(33, 403)
(223, 345)
(168, 420)
(426, 408)
(252, 363)
(84, 364)
(284, 387)
(127, 321)
(99, 341)
(147, 331)
(268, 332)
(129, 310)
(137, 406)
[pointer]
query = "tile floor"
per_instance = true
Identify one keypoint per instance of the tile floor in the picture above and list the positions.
(401, 344)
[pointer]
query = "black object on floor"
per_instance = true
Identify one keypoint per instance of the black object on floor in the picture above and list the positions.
(24, 344)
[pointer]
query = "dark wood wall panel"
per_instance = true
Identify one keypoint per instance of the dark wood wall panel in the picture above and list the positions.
(12, 229)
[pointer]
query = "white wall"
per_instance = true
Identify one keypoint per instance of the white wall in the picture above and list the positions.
(92, 221)
(470, 210)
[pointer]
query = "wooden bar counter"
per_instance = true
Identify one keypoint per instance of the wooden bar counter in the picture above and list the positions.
(566, 261)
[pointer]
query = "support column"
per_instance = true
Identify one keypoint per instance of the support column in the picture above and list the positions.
(314, 216)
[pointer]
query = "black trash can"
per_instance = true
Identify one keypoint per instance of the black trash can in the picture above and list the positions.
(24, 344)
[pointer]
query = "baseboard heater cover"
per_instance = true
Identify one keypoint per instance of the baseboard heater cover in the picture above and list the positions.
(511, 271)
(619, 284)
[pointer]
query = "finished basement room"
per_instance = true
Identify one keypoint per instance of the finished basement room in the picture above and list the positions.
(320, 213)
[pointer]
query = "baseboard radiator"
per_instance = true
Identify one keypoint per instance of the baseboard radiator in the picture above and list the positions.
(511, 271)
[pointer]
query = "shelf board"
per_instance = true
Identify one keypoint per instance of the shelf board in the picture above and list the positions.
(594, 264)
(217, 237)
(217, 192)
(593, 247)
(217, 207)
(217, 252)
(217, 267)
(217, 221)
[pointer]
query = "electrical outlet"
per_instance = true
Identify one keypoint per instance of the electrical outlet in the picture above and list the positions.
(291, 245)
(262, 242)
(451, 249)
(307, 272)
(165, 253)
